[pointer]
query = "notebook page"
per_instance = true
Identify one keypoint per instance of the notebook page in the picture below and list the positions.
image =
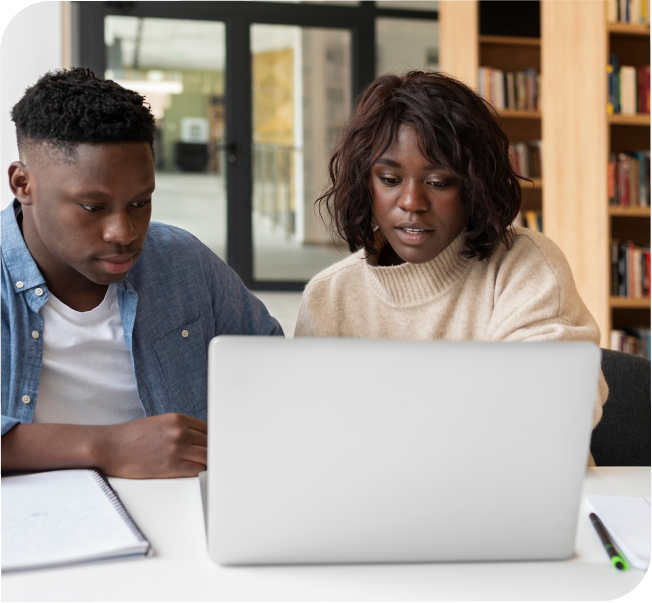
(60, 517)
(627, 519)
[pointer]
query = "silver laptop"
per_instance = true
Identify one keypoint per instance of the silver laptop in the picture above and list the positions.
(362, 451)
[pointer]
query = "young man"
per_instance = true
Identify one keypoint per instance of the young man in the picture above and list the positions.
(106, 317)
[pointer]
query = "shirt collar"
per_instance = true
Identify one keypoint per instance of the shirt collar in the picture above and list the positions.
(19, 261)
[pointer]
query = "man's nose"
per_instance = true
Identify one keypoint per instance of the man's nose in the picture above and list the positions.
(120, 228)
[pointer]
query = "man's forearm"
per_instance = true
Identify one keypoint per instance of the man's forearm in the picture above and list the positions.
(168, 445)
(34, 447)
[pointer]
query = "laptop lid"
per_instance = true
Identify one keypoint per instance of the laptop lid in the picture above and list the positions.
(354, 451)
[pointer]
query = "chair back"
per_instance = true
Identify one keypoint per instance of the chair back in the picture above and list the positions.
(622, 438)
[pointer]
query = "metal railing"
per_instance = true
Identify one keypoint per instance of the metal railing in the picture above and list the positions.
(273, 186)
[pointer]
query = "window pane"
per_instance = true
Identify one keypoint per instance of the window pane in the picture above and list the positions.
(408, 5)
(404, 44)
(301, 96)
(178, 65)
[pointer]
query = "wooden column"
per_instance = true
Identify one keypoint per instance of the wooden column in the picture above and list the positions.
(458, 39)
(574, 88)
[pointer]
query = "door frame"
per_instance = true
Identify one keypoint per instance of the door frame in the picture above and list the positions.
(88, 51)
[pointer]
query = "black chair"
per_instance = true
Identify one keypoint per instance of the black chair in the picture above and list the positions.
(622, 438)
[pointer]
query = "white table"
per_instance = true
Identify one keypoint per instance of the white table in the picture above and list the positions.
(170, 514)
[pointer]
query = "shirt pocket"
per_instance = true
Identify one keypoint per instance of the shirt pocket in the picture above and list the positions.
(183, 360)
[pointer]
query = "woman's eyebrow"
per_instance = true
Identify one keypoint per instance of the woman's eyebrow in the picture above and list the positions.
(396, 164)
(389, 162)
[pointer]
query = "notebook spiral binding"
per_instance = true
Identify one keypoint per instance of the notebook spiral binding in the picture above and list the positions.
(111, 494)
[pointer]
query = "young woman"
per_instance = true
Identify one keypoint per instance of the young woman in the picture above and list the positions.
(423, 193)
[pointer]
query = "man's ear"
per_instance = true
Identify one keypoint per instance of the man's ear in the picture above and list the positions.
(19, 182)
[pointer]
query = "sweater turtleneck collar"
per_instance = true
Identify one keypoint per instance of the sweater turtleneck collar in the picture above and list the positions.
(408, 284)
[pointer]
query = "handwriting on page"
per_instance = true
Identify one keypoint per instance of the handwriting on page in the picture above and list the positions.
(57, 529)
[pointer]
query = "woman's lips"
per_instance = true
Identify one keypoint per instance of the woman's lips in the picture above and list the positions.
(117, 266)
(413, 236)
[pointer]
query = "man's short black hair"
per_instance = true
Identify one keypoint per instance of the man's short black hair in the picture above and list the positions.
(67, 107)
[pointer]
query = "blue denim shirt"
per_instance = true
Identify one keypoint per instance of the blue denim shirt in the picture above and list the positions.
(177, 284)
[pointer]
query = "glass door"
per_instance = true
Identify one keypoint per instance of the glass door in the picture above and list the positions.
(301, 96)
(179, 66)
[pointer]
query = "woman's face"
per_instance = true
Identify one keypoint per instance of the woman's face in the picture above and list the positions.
(415, 204)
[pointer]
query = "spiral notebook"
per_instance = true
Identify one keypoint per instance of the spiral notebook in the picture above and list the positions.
(64, 517)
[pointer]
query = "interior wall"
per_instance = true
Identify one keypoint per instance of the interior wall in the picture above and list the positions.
(31, 46)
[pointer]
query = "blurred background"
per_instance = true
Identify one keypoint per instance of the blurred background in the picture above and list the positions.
(249, 98)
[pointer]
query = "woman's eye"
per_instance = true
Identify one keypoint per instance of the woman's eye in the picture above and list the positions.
(389, 180)
(440, 183)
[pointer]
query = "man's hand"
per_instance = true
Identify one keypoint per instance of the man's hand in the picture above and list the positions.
(169, 445)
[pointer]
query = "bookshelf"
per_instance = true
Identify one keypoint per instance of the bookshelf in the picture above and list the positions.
(463, 49)
(572, 54)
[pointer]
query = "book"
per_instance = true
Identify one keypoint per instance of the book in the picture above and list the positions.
(631, 271)
(508, 90)
(643, 82)
(628, 179)
(632, 340)
(628, 88)
(64, 517)
(526, 158)
(533, 220)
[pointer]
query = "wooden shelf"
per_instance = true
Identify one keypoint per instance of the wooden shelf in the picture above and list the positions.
(631, 29)
(513, 40)
(640, 119)
(629, 302)
(629, 212)
(516, 114)
(537, 182)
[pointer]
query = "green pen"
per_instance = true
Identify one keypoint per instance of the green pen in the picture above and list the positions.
(617, 559)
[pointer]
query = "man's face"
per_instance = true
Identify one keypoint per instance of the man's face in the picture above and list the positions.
(87, 216)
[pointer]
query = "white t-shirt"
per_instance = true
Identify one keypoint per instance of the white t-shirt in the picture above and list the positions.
(86, 377)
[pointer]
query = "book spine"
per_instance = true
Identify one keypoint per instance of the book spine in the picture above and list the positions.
(630, 270)
(611, 180)
(645, 76)
(634, 182)
(614, 268)
(622, 270)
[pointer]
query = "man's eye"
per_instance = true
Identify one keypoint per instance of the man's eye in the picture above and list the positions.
(140, 204)
(91, 208)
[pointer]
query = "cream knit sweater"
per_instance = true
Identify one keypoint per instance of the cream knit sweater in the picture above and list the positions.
(522, 294)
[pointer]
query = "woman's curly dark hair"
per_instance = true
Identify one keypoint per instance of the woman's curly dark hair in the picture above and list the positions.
(455, 128)
(67, 107)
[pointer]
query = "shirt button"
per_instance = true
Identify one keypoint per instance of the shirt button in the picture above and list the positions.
(184, 333)
(35, 334)
(20, 284)
(38, 291)
(26, 399)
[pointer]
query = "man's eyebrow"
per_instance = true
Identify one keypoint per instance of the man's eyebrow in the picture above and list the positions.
(101, 195)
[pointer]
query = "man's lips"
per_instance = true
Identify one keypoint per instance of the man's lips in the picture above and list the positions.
(117, 264)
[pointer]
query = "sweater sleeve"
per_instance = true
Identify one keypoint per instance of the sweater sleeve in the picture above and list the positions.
(536, 300)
